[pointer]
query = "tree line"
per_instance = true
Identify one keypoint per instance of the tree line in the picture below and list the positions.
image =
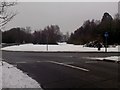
(94, 30)
(91, 30)
(51, 35)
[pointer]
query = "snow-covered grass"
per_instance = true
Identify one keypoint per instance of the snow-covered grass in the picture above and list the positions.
(15, 78)
(0, 75)
(60, 47)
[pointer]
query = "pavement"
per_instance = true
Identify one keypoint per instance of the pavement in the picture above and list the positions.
(67, 70)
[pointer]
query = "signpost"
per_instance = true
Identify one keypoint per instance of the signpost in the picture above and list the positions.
(47, 42)
(106, 36)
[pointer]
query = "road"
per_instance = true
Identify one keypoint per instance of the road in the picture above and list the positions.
(67, 70)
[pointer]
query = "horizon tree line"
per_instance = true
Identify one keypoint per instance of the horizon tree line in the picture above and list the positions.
(90, 31)
(94, 30)
(49, 35)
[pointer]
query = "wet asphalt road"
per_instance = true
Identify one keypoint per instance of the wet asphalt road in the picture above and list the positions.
(67, 70)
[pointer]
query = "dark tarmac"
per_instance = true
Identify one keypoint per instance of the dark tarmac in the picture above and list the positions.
(67, 70)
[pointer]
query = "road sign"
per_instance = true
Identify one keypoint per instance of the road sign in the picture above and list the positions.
(106, 34)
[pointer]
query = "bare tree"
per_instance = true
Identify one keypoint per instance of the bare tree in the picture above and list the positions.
(6, 16)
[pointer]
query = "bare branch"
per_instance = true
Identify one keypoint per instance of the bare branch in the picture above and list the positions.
(7, 4)
(5, 17)
(6, 20)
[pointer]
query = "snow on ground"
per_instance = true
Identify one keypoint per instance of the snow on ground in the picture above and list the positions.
(0, 75)
(112, 58)
(15, 78)
(60, 47)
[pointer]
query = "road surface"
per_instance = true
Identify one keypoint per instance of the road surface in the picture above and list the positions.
(67, 70)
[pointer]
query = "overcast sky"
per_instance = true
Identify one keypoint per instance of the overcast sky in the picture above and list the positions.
(68, 15)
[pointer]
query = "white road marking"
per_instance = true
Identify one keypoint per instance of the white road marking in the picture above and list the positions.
(41, 61)
(21, 62)
(67, 65)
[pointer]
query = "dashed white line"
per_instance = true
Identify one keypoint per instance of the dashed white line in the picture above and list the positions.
(21, 62)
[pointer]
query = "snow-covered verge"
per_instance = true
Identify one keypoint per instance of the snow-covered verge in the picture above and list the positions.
(15, 78)
(111, 58)
(0, 75)
(60, 47)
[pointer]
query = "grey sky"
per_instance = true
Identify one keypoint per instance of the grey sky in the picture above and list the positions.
(68, 15)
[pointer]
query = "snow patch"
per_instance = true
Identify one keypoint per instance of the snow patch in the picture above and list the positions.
(112, 58)
(15, 78)
(0, 75)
